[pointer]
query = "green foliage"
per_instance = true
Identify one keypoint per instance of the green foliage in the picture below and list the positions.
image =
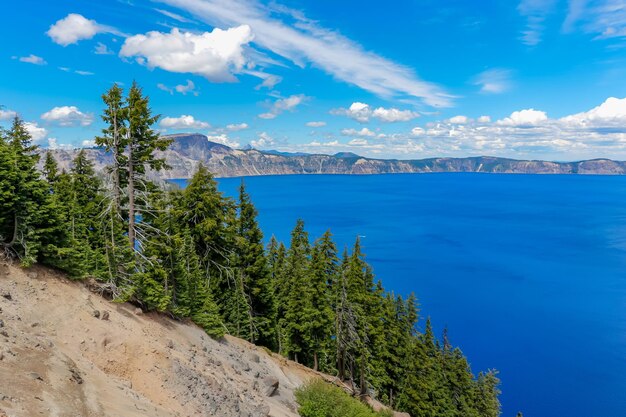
(320, 399)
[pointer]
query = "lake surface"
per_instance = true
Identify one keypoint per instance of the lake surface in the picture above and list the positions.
(528, 272)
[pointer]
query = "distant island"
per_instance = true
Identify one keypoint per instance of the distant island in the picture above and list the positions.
(188, 150)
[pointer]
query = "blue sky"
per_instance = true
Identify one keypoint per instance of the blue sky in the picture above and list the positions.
(407, 79)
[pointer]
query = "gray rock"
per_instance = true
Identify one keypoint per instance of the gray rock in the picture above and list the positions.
(33, 275)
(7, 295)
(255, 358)
(96, 314)
(270, 386)
(105, 315)
(35, 376)
(1, 323)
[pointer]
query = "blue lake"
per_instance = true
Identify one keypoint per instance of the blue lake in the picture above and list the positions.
(527, 272)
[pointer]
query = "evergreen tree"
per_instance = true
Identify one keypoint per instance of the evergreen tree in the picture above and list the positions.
(255, 283)
(142, 142)
(297, 276)
(28, 220)
(50, 168)
(320, 320)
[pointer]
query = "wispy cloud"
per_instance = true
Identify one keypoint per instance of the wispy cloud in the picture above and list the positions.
(604, 18)
(493, 81)
(183, 89)
(305, 42)
(284, 104)
(31, 59)
(174, 16)
(535, 12)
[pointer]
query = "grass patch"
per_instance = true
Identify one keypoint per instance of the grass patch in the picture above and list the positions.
(320, 399)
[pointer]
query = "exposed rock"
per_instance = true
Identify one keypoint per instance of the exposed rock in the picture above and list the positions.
(96, 314)
(270, 386)
(75, 376)
(105, 315)
(7, 295)
(35, 375)
(1, 323)
(33, 275)
(138, 311)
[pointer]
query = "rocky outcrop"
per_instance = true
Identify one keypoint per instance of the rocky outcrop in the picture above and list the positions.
(187, 151)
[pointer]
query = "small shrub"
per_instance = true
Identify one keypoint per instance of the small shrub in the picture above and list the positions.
(320, 399)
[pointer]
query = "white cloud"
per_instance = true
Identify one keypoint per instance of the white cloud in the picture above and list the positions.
(235, 127)
(224, 140)
(183, 89)
(88, 143)
(493, 81)
(282, 105)
(37, 133)
(525, 134)
(362, 113)
(528, 117)
(305, 42)
(67, 116)
(183, 122)
(459, 120)
(7, 114)
(215, 55)
(79, 72)
(102, 49)
(75, 27)
(316, 124)
(264, 140)
(394, 115)
(609, 114)
(417, 131)
(32, 59)
(365, 132)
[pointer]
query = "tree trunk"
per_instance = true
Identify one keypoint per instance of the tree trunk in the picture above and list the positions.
(131, 199)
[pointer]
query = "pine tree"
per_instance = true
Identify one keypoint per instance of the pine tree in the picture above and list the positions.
(142, 142)
(297, 276)
(50, 168)
(29, 219)
(255, 285)
(320, 320)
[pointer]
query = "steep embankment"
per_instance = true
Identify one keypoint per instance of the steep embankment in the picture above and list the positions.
(66, 351)
(187, 151)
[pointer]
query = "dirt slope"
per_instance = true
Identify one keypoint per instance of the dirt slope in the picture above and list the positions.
(58, 359)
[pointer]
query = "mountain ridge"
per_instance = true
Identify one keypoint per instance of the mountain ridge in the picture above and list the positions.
(189, 150)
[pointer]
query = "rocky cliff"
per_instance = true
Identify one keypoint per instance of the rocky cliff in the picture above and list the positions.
(187, 151)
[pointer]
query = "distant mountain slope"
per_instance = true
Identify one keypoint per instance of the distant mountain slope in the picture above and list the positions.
(188, 150)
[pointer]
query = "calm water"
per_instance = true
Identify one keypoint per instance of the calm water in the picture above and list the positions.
(527, 272)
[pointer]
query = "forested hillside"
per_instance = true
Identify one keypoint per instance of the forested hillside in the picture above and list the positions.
(197, 254)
